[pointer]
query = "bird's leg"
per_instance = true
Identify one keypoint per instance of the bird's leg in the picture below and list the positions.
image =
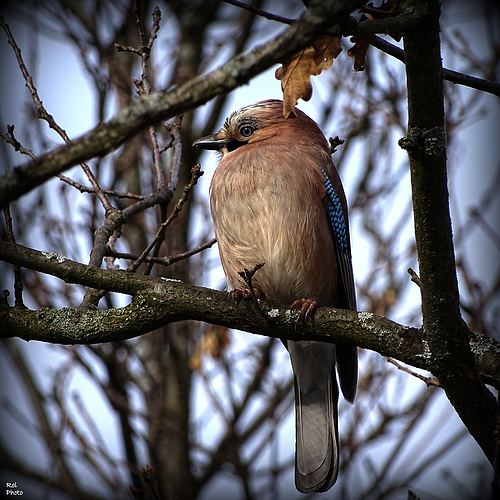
(306, 306)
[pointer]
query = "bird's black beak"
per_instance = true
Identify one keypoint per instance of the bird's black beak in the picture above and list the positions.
(210, 142)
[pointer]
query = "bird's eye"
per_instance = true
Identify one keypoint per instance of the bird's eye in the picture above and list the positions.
(247, 130)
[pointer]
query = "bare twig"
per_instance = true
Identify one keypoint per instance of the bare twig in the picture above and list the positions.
(11, 139)
(155, 28)
(109, 192)
(122, 48)
(260, 12)
(448, 74)
(147, 474)
(247, 275)
(428, 380)
(166, 261)
(383, 26)
(18, 277)
(196, 173)
(44, 426)
(175, 130)
(335, 142)
(414, 277)
(143, 86)
(90, 449)
(114, 220)
(42, 113)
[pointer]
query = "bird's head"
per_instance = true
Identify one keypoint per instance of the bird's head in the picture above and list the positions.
(253, 124)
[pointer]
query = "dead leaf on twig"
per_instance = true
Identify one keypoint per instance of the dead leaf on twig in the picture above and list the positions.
(213, 344)
(296, 71)
(359, 50)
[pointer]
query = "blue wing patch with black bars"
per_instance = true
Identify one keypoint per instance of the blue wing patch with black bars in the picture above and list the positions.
(335, 214)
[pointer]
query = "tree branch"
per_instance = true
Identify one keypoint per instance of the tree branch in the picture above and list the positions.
(451, 360)
(158, 302)
(448, 74)
(147, 110)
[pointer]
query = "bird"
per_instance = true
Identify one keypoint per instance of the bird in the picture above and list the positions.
(276, 199)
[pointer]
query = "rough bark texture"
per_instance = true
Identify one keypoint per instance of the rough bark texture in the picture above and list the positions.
(158, 302)
(451, 359)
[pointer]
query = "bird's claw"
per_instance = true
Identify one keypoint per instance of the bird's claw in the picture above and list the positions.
(306, 306)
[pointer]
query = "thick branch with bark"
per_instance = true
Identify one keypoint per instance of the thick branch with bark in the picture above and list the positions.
(158, 302)
(151, 109)
(451, 360)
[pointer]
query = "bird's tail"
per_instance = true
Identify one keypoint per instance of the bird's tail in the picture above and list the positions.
(316, 418)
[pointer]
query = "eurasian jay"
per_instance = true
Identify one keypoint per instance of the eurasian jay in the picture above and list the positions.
(276, 198)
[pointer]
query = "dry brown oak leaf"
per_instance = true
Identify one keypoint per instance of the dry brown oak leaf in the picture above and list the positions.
(296, 71)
